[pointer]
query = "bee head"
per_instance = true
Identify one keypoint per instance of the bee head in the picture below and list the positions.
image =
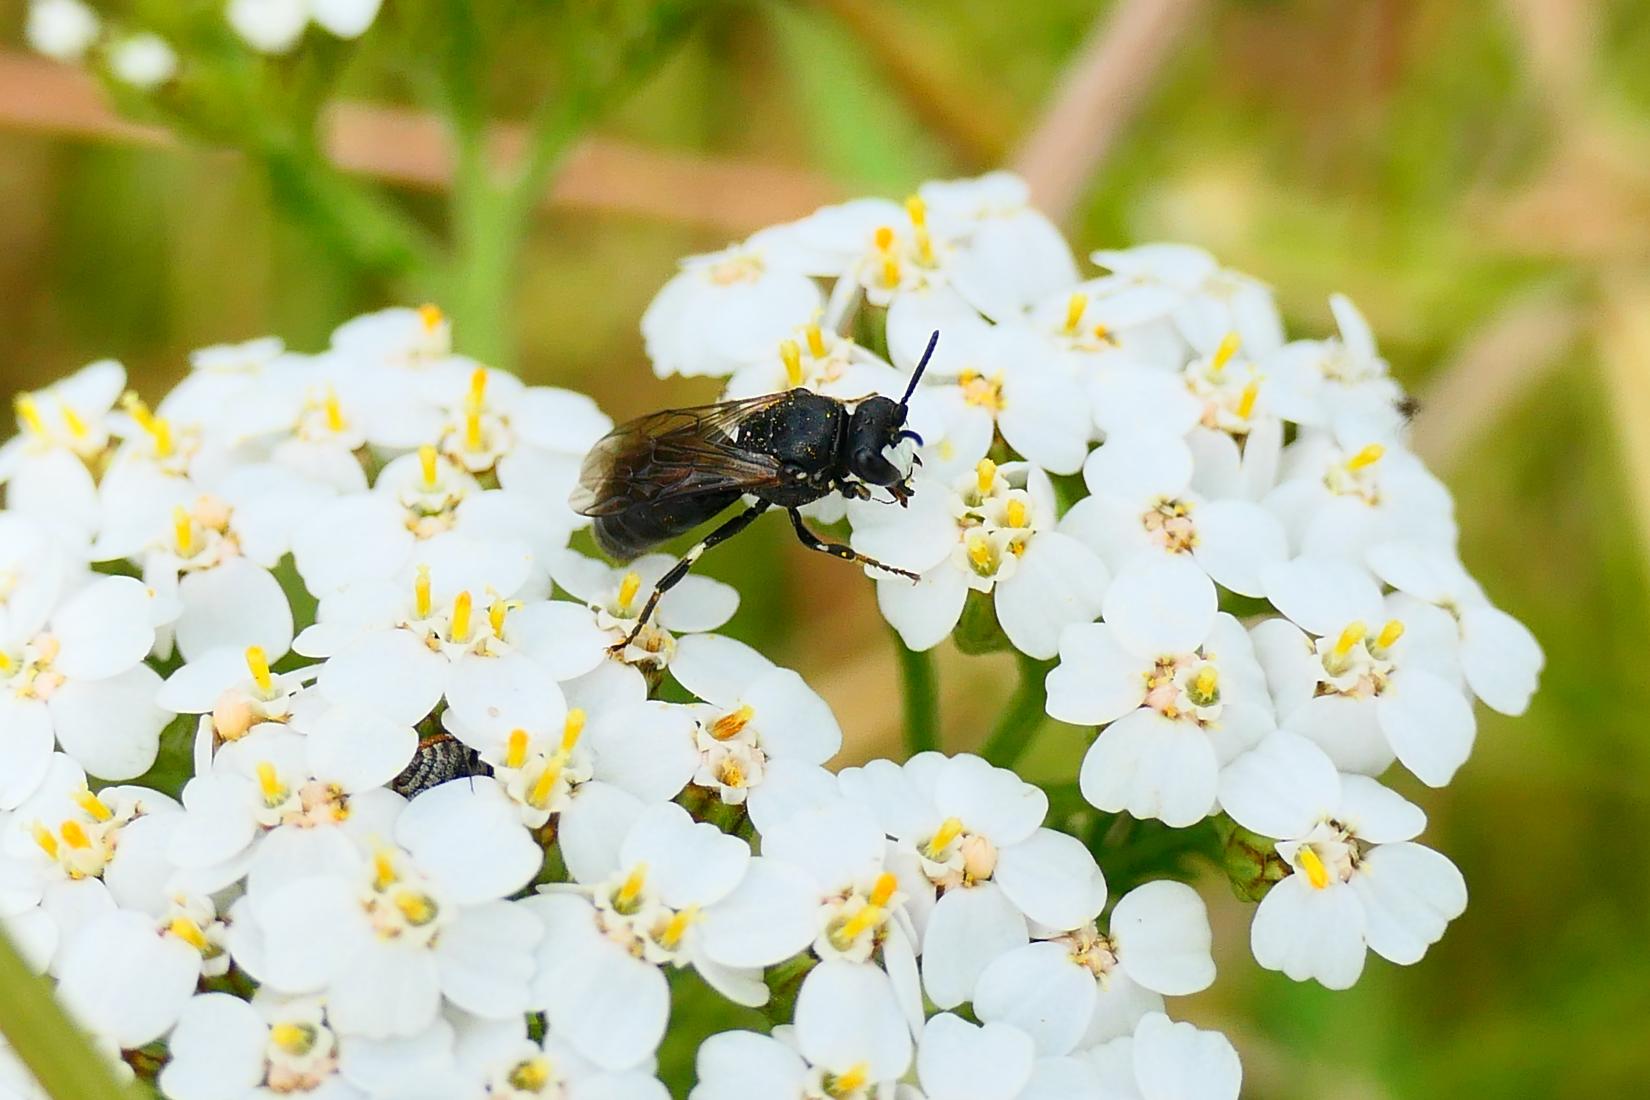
(878, 423)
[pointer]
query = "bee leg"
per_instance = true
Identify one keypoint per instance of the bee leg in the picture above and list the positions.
(838, 550)
(676, 572)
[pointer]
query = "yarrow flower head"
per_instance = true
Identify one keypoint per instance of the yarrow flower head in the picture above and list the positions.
(334, 762)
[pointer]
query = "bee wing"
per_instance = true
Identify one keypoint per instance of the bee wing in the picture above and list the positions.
(673, 454)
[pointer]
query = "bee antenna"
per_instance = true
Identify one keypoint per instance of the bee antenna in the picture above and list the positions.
(922, 364)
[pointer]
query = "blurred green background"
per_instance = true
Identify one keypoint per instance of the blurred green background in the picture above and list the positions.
(1476, 174)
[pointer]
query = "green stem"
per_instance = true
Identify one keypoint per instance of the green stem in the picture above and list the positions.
(1021, 717)
(60, 1055)
(920, 683)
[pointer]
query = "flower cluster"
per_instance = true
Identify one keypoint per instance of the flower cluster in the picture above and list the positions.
(328, 764)
(71, 30)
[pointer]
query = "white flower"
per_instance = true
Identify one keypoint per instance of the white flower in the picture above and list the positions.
(386, 934)
(498, 1060)
(413, 340)
(1212, 300)
(957, 1060)
(850, 1042)
(63, 428)
(976, 831)
(61, 29)
(1356, 879)
(995, 532)
(1178, 684)
(1370, 678)
(753, 712)
(1014, 255)
(221, 377)
(81, 682)
(673, 893)
(34, 573)
(726, 310)
(144, 61)
(1338, 495)
(1345, 379)
(1143, 507)
(817, 359)
(238, 690)
(1082, 987)
(1164, 1060)
(1499, 656)
(617, 595)
(987, 379)
(274, 26)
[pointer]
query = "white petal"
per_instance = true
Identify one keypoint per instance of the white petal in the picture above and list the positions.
(609, 1005)
(383, 989)
(1053, 879)
(717, 669)
(990, 800)
(957, 1060)
(1429, 724)
(1237, 542)
(358, 749)
(103, 629)
(593, 825)
(647, 748)
(469, 837)
(1153, 767)
(926, 612)
(1347, 730)
(688, 862)
(1177, 1061)
(237, 604)
(772, 915)
(1163, 937)
(792, 721)
(968, 928)
(1409, 893)
(494, 695)
(1140, 465)
(1376, 814)
(390, 671)
(1059, 581)
(1281, 787)
(26, 751)
(111, 727)
(846, 1014)
(1097, 680)
(561, 636)
(1323, 595)
(1310, 933)
(486, 959)
(1501, 658)
(1039, 990)
(217, 1049)
(126, 982)
(1161, 607)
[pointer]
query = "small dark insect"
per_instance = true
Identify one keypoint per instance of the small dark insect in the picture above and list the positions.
(439, 758)
(664, 474)
(1408, 406)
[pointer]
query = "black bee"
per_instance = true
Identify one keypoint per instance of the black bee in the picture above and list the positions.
(664, 474)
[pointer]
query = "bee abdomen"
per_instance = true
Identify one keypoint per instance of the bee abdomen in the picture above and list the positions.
(640, 528)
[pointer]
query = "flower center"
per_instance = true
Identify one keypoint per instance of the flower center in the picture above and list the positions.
(1357, 662)
(979, 390)
(1357, 475)
(1327, 855)
(856, 920)
(1169, 526)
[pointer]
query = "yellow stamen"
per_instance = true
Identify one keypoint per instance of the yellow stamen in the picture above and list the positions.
(7, 665)
(1076, 306)
(472, 429)
(918, 210)
(857, 925)
(1223, 354)
(73, 835)
(1103, 332)
(515, 752)
(290, 1037)
(884, 238)
(816, 341)
(631, 891)
(426, 465)
(890, 271)
(478, 388)
(677, 927)
(162, 436)
(732, 773)
(986, 474)
(460, 631)
(850, 1082)
(1366, 457)
(1316, 873)
(979, 551)
(1206, 682)
(29, 413)
(71, 420)
(1246, 403)
(269, 782)
(732, 723)
(189, 932)
(1389, 634)
(1016, 513)
(416, 907)
(539, 796)
(183, 530)
(421, 591)
(93, 806)
(334, 411)
(572, 729)
(43, 837)
(884, 888)
(791, 354)
(137, 410)
(628, 587)
(258, 664)
(431, 315)
(530, 1076)
(1351, 636)
(383, 869)
(950, 829)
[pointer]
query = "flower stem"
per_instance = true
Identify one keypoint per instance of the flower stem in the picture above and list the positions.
(53, 1048)
(1021, 717)
(920, 684)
